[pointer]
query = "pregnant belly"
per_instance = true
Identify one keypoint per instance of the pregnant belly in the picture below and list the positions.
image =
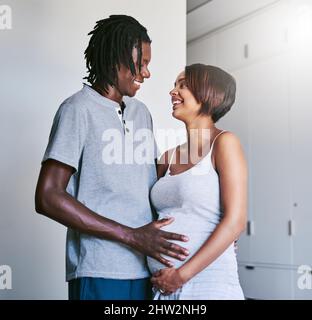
(196, 239)
(198, 233)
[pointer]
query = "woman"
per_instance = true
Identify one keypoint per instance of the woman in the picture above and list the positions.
(202, 185)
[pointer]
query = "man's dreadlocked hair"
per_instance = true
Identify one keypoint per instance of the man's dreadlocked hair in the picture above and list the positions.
(111, 45)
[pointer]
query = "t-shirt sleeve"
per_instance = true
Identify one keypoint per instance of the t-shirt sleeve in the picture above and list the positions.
(67, 136)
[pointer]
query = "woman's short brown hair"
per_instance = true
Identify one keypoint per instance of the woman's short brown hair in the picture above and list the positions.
(212, 87)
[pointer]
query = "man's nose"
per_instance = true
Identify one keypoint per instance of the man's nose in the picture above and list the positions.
(145, 73)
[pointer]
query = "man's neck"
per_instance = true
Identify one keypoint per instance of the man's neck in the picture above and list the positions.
(112, 94)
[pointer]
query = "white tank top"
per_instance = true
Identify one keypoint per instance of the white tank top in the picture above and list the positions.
(193, 199)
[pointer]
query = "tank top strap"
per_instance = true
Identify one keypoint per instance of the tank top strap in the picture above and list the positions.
(170, 160)
(211, 148)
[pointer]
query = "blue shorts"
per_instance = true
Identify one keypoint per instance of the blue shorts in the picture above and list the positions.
(109, 289)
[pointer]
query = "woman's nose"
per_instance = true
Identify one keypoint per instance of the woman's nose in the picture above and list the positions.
(173, 92)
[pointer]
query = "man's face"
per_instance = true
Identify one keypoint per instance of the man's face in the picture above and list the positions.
(128, 85)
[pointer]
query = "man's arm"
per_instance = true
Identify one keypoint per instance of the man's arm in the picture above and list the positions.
(53, 201)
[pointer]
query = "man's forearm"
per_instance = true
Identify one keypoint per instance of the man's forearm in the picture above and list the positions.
(63, 208)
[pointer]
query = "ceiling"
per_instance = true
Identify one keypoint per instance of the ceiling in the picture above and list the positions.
(206, 16)
(195, 4)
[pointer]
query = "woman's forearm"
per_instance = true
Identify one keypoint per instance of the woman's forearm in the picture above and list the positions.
(223, 236)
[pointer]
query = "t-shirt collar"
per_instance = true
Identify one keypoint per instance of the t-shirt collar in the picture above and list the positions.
(101, 99)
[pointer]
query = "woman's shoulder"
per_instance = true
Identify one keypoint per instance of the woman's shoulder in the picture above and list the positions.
(227, 149)
(226, 138)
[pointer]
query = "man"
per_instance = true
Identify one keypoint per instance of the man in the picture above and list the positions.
(105, 204)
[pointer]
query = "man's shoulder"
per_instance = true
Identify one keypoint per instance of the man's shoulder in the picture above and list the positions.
(75, 103)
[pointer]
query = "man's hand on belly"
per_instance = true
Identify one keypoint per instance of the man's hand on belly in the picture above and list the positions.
(152, 241)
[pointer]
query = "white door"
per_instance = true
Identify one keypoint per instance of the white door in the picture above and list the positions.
(301, 153)
(266, 283)
(302, 283)
(259, 37)
(269, 163)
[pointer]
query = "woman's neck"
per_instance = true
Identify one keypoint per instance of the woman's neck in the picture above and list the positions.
(200, 132)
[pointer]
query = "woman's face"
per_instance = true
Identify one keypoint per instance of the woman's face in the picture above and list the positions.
(185, 106)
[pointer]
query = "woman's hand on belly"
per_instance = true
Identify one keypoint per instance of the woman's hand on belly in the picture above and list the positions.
(168, 280)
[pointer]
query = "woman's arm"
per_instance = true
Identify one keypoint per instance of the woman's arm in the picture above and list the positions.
(232, 169)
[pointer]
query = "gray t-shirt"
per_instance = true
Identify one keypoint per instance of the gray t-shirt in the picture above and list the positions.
(113, 155)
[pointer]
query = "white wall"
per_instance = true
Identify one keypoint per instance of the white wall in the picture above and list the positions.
(41, 65)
